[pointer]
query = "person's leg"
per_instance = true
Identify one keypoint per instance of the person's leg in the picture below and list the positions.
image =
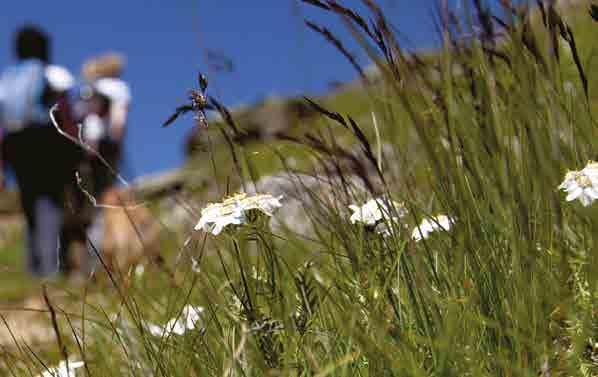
(45, 177)
(103, 177)
(46, 234)
(73, 235)
(43, 216)
(65, 196)
(12, 150)
(36, 156)
(32, 260)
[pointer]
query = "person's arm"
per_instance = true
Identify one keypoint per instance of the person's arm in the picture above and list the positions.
(58, 83)
(118, 119)
(119, 96)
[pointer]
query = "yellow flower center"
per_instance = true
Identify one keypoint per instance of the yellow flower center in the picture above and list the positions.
(582, 180)
(234, 198)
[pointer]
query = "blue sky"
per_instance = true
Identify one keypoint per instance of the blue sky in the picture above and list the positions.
(166, 42)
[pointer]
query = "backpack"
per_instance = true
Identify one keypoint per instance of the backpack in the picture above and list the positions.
(22, 89)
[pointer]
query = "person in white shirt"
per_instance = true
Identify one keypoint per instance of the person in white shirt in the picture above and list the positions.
(106, 99)
(103, 113)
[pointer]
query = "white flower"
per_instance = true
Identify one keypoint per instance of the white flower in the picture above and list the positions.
(216, 216)
(385, 229)
(376, 212)
(155, 330)
(62, 370)
(263, 202)
(195, 266)
(582, 185)
(430, 225)
(139, 270)
(189, 318)
(233, 210)
(257, 276)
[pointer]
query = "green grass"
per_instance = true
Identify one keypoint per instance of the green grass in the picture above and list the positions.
(509, 290)
(15, 282)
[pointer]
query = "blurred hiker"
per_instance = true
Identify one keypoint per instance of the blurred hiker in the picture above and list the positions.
(105, 109)
(103, 112)
(42, 160)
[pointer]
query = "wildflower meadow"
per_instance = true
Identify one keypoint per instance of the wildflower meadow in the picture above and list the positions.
(427, 221)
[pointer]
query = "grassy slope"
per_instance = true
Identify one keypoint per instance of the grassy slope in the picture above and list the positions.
(360, 104)
(351, 101)
(494, 310)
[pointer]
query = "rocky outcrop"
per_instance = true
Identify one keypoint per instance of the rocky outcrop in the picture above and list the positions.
(262, 121)
(306, 197)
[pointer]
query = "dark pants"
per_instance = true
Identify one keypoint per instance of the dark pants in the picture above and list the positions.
(102, 177)
(44, 164)
(85, 223)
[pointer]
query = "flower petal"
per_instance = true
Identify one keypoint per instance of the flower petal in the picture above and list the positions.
(155, 330)
(591, 192)
(418, 234)
(574, 194)
(585, 200)
(354, 207)
(217, 228)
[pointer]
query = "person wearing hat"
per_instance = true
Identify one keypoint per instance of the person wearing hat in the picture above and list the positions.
(42, 160)
(106, 103)
(102, 112)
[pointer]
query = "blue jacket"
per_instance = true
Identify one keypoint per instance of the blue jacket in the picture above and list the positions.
(22, 88)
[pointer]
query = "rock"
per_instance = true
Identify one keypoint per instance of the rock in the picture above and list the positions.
(262, 121)
(306, 196)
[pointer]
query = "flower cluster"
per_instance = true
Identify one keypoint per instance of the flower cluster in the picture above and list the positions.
(582, 185)
(190, 317)
(381, 214)
(427, 226)
(233, 211)
(378, 214)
